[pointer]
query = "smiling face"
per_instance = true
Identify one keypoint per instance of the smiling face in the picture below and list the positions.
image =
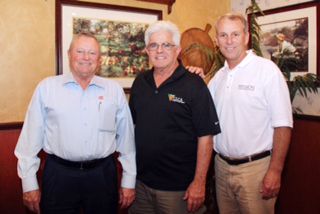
(232, 40)
(162, 52)
(84, 57)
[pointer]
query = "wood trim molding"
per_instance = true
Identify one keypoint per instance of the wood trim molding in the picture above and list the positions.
(167, 2)
(11, 125)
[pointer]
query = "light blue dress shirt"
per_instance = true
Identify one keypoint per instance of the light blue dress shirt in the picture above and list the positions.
(77, 125)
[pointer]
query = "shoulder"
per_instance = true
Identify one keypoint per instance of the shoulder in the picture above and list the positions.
(194, 79)
(266, 72)
(47, 86)
(143, 75)
(195, 86)
(141, 79)
(216, 78)
(264, 66)
(263, 61)
(107, 83)
(50, 81)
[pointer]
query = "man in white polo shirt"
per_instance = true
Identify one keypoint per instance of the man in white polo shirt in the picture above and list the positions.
(254, 109)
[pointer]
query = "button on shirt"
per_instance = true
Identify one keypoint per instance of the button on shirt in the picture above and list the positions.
(76, 125)
(251, 100)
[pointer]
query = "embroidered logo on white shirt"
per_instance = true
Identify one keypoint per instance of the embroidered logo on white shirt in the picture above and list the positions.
(246, 87)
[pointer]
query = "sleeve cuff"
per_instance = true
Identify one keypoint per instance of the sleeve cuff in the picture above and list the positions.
(29, 184)
(283, 123)
(128, 181)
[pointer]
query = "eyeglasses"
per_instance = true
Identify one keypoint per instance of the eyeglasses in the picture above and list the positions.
(154, 46)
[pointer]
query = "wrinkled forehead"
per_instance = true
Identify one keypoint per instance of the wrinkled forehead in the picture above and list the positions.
(230, 24)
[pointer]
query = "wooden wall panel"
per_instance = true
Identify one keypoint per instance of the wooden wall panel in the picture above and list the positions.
(10, 184)
(300, 190)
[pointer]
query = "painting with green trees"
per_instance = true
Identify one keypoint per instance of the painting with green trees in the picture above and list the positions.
(122, 45)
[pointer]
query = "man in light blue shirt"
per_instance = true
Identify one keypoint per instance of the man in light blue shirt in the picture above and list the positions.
(79, 120)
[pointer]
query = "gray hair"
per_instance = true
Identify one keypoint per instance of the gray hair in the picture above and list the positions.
(163, 26)
(233, 16)
(82, 34)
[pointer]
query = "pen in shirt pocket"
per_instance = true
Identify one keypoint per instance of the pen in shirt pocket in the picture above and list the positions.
(100, 99)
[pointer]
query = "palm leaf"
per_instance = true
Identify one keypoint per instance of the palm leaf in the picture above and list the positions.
(254, 27)
(303, 84)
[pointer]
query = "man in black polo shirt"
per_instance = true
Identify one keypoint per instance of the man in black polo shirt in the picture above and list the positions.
(175, 120)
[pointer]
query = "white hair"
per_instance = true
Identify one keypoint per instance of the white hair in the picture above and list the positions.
(163, 26)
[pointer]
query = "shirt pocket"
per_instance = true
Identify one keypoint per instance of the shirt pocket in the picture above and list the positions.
(252, 96)
(107, 117)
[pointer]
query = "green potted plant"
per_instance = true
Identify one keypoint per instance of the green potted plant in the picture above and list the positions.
(303, 83)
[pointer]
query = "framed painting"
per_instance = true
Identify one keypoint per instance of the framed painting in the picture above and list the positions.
(292, 33)
(119, 30)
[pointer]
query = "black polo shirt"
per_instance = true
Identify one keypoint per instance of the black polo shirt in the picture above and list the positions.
(168, 120)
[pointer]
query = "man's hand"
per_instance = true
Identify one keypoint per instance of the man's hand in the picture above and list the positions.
(272, 179)
(196, 191)
(195, 196)
(31, 199)
(196, 70)
(127, 196)
(271, 184)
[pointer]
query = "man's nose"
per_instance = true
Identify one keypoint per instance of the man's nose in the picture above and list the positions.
(86, 55)
(229, 39)
(160, 48)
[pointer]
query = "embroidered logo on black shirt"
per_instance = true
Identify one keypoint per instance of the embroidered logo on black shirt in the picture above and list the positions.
(173, 98)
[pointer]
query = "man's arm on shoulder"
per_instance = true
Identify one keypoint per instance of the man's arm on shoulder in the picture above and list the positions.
(195, 193)
(272, 180)
(196, 70)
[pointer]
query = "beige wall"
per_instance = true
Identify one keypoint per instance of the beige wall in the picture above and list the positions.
(27, 42)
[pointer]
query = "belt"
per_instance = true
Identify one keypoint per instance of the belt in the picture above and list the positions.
(78, 164)
(250, 158)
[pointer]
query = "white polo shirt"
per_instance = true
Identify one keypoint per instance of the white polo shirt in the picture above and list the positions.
(251, 100)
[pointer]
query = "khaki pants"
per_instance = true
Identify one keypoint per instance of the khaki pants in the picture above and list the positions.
(152, 201)
(238, 187)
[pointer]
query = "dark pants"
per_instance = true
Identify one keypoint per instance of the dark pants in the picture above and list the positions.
(67, 189)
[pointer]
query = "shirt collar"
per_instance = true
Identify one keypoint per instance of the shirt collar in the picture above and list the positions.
(68, 78)
(243, 63)
(178, 73)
